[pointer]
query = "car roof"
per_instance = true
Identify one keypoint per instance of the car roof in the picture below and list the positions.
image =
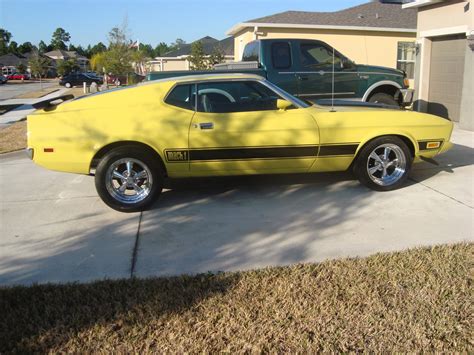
(203, 77)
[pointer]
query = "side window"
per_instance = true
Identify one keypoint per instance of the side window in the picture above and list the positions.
(315, 56)
(281, 55)
(235, 96)
(182, 96)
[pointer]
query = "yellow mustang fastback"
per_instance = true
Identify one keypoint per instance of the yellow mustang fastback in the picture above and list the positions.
(232, 124)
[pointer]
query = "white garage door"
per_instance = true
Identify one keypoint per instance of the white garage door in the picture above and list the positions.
(446, 76)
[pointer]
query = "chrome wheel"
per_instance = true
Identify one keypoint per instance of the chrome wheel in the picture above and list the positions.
(386, 164)
(129, 180)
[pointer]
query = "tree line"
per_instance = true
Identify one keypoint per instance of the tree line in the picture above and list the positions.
(120, 57)
(61, 39)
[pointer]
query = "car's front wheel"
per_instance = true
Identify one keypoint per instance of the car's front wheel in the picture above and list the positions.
(128, 179)
(68, 85)
(384, 163)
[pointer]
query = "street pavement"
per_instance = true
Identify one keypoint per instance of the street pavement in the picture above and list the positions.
(54, 228)
(14, 88)
(25, 107)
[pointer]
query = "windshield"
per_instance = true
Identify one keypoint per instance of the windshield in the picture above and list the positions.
(288, 96)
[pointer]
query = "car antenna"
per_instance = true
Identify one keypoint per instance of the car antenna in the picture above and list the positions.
(332, 88)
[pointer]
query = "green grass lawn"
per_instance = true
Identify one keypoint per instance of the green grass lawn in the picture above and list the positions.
(419, 300)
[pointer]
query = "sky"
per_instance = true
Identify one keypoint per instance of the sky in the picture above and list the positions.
(149, 21)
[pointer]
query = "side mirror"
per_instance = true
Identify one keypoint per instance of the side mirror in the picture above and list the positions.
(346, 63)
(283, 104)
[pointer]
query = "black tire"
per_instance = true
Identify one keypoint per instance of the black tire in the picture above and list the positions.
(68, 85)
(139, 156)
(364, 162)
(382, 98)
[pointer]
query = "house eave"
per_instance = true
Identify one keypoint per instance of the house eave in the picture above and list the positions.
(240, 26)
(419, 3)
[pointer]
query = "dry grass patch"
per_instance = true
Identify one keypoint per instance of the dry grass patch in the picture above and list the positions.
(77, 92)
(37, 94)
(419, 300)
(13, 137)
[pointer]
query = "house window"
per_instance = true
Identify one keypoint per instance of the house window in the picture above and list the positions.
(406, 58)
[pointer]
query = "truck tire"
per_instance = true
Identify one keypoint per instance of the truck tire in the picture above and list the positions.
(382, 98)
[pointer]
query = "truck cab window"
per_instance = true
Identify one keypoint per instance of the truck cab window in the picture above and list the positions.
(316, 56)
(251, 52)
(281, 55)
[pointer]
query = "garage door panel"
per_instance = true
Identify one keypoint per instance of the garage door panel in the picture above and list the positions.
(446, 76)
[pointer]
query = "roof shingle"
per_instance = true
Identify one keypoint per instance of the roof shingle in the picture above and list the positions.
(371, 14)
(208, 43)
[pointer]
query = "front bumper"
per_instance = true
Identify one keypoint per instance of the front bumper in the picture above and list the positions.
(406, 96)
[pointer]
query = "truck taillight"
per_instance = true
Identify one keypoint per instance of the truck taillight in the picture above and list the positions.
(406, 82)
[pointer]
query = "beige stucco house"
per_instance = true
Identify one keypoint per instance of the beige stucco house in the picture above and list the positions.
(444, 69)
(374, 33)
(60, 54)
(178, 58)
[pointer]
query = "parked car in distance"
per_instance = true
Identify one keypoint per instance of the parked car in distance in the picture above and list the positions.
(77, 79)
(227, 124)
(119, 80)
(3, 79)
(304, 68)
(18, 76)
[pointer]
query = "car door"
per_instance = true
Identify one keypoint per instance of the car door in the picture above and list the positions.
(238, 129)
(318, 62)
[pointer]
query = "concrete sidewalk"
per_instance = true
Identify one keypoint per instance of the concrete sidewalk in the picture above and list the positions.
(56, 229)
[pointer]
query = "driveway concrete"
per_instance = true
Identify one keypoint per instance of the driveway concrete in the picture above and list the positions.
(55, 228)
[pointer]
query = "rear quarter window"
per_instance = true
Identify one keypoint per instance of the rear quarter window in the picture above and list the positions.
(182, 96)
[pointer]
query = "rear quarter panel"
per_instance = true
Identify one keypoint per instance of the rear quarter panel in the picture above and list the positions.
(77, 130)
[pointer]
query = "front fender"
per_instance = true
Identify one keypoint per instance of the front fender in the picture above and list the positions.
(381, 133)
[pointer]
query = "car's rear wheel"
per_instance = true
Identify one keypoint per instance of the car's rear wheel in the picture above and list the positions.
(128, 179)
(68, 85)
(384, 163)
(382, 98)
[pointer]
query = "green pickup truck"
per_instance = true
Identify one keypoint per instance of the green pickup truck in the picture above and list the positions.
(313, 70)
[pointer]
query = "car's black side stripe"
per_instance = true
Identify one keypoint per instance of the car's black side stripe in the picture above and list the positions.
(244, 153)
(345, 149)
(253, 153)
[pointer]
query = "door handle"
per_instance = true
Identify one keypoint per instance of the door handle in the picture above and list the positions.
(303, 77)
(206, 125)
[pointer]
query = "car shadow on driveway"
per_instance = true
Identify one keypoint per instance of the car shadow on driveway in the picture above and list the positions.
(238, 223)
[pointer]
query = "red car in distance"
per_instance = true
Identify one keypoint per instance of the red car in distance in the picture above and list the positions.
(18, 76)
